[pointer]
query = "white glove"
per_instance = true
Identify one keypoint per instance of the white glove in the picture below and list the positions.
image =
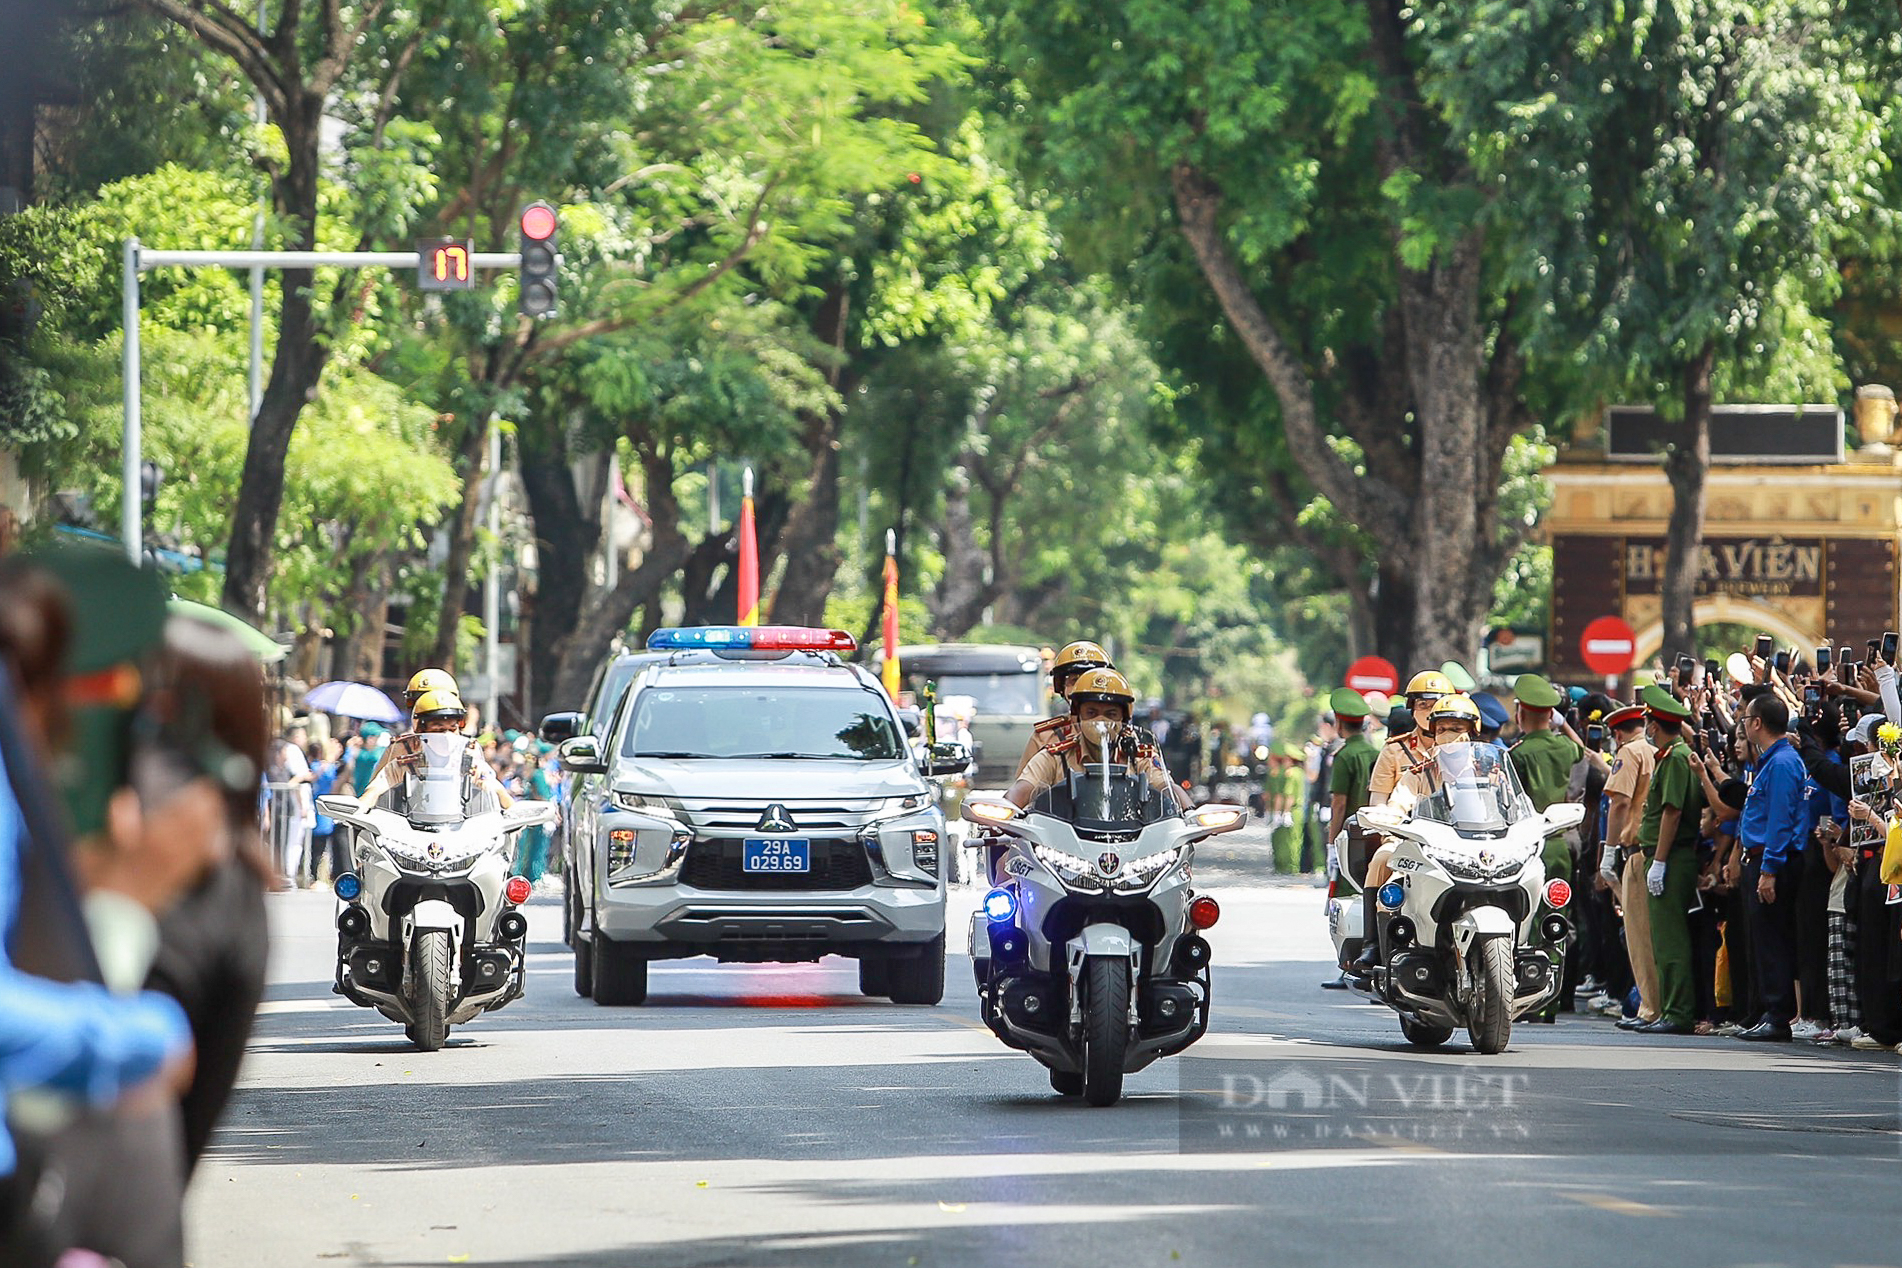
(1608, 864)
(1333, 861)
(1654, 879)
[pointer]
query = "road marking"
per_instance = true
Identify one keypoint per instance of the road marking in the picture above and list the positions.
(1616, 1205)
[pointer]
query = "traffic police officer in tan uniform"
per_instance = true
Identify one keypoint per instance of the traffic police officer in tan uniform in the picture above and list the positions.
(1052, 734)
(1403, 752)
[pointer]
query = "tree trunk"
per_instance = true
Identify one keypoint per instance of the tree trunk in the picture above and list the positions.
(296, 367)
(1444, 345)
(1393, 616)
(810, 541)
(471, 459)
(962, 594)
(566, 535)
(1686, 466)
(611, 610)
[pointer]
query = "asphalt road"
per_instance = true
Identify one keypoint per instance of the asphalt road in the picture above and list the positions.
(771, 1115)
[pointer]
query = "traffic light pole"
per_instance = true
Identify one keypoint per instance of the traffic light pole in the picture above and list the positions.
(137, 260)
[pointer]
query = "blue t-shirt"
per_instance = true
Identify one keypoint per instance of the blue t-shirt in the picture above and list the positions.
(72, 1037)
(323, 782)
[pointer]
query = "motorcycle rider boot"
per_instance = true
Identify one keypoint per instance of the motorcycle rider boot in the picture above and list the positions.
(1369, 958)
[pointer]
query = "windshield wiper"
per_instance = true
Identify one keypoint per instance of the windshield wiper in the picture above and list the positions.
(781, 757)
(638, 756)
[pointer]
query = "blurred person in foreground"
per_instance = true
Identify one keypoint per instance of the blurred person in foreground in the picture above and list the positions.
(90, 1156)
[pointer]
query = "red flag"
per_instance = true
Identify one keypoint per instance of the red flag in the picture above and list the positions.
(749, 556)
(890, 670)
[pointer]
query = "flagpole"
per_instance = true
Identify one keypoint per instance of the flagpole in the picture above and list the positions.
(749, 553)
(890, 671)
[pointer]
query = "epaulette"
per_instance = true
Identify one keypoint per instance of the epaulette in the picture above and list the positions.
(1144, 735)
(1055, 735)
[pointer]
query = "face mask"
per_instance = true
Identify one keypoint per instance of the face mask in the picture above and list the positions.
(1098, 732)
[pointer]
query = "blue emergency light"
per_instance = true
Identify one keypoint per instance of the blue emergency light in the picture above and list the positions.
(1391, 895)
(757, 638)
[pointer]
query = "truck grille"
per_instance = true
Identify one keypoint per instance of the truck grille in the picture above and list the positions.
(836, 864)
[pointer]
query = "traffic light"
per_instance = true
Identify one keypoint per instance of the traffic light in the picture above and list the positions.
(539, 226)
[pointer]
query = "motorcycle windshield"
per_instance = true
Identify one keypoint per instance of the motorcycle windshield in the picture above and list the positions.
(438, 780)
(1474, 790)
(1123, 803)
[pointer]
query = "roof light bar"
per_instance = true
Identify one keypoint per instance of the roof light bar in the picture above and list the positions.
(771, 638)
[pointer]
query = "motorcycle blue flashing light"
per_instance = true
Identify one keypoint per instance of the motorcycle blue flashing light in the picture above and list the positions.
(1392, 895)
(1000, 905)
(346, 886)
(759, 638)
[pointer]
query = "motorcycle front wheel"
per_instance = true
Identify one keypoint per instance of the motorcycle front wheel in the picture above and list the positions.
(1489, 1023)
(429, 955)
(1105, 1027)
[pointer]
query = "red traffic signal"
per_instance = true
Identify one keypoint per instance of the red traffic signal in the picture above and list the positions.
(539, 260)
(538, 222)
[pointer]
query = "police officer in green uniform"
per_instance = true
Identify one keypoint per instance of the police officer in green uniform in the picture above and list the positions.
(1544, 758)
(1348, 784)
(1668, 836)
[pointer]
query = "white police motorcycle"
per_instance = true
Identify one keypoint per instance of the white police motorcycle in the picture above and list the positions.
(1462, 940)
(1088, 953)
(427, 928)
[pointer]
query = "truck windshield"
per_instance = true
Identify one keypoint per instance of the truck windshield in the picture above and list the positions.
(997, 695)
(762, 722)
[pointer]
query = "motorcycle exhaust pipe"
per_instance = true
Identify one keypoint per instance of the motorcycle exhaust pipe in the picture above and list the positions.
(513, 926)
(353, 922)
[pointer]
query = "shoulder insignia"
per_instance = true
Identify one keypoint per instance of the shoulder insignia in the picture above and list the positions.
(1055, 735)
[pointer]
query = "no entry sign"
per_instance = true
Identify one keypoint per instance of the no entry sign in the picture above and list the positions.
(1608, 645)
(1371, 673)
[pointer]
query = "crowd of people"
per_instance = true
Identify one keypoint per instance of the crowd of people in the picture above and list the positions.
(132, 923)
(1739, 868)
(308, 849)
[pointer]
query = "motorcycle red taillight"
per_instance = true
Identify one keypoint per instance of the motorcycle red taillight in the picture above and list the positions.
(518, 889)
(1558, 893)
(1204, 912)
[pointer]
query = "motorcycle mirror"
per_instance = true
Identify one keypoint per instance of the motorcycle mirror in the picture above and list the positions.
(1387, 816)
(988, 810)
(1564, 815)
(1218, 817)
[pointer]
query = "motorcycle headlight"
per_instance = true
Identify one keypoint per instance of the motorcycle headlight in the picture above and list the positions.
(1078, 873)
(1459, 865)
(1142, 872)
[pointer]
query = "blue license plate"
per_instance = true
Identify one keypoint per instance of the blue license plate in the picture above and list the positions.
(776, 854)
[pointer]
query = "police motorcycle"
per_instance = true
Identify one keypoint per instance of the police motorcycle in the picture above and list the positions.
(1089, 956)
(428, 931)
(1462, 940)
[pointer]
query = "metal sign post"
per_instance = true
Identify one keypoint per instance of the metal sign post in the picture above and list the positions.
(137, 260)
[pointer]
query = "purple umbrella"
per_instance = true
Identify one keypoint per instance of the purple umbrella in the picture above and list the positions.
(354, 700)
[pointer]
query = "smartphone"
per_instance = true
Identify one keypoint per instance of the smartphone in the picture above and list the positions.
(1595, 735)
(1766, 644)
(1822, 660)
(1710, 672)
(1875, 648)
(1811, 698)
(1842, 659)
(1889, 641)
(1782, 662)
